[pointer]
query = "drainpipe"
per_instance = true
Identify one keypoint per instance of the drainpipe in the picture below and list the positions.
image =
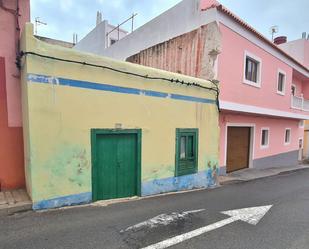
(15, 13)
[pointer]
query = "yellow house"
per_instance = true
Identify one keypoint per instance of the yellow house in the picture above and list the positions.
(96, 128)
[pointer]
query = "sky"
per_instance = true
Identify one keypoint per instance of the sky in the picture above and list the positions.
(65, 17)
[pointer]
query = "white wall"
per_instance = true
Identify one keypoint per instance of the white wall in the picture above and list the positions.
(295, 48)
(114, 34)
(93, 42)
(182, 18)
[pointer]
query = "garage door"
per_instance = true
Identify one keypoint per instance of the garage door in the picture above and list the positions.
(238, 148)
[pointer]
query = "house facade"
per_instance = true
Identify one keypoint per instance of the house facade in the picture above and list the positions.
(299, 49)
(102, 36)
(11, 137)
(97, 128)
(263, 89)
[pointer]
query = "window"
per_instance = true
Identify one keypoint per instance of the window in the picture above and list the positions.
(287, 138)
(186, 151)
(281, 83)
(113, 41)
(265, 138)
(252, 70)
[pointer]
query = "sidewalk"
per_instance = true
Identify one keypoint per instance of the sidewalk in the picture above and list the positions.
(251, 174)
(14, 201)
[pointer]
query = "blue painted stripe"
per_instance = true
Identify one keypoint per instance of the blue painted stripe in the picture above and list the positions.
(202, 179)
(111, 88)
(62, 201)
(193, 99)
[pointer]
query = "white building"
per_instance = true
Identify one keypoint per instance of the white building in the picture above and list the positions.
(101, 37)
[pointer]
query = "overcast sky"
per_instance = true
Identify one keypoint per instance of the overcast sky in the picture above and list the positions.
(64, 17)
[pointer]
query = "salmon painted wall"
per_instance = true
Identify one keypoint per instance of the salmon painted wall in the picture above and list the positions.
(8, 50)
(231, 74)
(299, 86)
(11, 142)
(58, 118)
(276, 127)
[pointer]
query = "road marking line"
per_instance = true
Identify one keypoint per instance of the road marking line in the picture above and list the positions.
(250, 215)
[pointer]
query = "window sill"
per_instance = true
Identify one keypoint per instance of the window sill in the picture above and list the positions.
(264, 147)
(281, 93)
(287, 143)
(252, 83)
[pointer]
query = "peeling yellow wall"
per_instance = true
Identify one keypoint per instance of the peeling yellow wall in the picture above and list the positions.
(57, 119)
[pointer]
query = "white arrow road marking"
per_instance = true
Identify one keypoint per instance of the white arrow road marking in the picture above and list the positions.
(162, 219)
(250, 215)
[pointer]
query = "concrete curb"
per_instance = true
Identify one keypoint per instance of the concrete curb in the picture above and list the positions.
(227, 180)
(6, 210)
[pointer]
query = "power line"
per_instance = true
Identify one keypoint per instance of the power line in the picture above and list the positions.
(177, 81)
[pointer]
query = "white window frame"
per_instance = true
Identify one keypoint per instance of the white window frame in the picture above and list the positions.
(280, 71)
(290, 138)
(268, 133)
(259, 73)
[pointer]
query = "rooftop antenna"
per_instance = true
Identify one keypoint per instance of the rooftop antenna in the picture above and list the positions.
(37, 23)
(75, 39)
(99, 18)
(273, 30)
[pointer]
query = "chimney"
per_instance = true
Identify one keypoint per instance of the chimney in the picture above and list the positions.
(280, 40)
(99, 18)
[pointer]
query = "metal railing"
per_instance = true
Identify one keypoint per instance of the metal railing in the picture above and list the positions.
(300, 103)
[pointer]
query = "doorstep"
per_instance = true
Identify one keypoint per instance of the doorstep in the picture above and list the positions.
(251, 174)
(13, 201)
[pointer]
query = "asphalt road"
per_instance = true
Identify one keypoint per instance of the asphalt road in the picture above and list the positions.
(285, 226)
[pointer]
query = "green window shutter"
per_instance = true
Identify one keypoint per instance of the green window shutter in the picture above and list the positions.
(186, 151)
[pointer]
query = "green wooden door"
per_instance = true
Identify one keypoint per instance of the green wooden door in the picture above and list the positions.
(116, 165)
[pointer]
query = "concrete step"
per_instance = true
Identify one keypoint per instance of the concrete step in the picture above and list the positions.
(13, 201)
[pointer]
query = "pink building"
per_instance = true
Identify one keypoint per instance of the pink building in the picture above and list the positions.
(264, 89)
(13, 15)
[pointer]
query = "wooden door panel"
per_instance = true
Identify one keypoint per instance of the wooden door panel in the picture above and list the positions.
(116, 166)
(238, 148)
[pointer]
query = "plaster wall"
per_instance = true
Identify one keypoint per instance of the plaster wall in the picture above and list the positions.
(187, 54)
(299, 49)
(63, 101)
(113, 34)
(11, 138)
(11, 143)
(95, 40)
(182, 18)
(231, 74)
(276, 127)
(8, 51)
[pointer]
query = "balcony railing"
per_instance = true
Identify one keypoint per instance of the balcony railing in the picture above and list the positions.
(300, 103)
